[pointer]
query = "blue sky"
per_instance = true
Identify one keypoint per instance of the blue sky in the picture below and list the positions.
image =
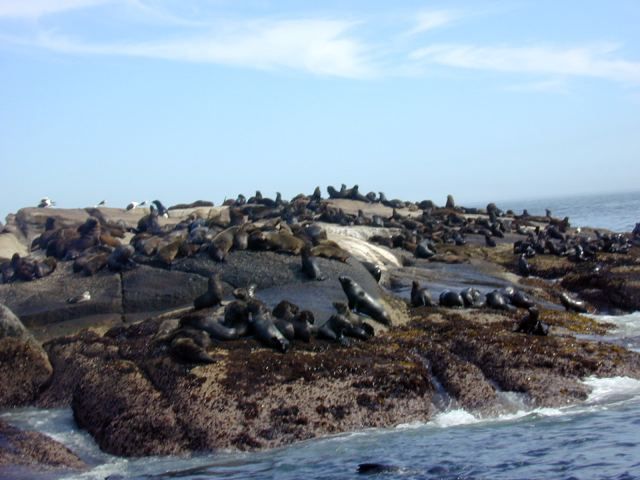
(182, 100)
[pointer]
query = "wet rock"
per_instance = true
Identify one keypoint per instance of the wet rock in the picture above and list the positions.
(136, 399)
(547, 369)
(43, 301)
(269, 269)
(24, 365)
(147, 289)
(20, 450)
(126, 415)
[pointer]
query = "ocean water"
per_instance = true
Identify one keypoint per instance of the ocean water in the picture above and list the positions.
(597, 439)
(618, 212)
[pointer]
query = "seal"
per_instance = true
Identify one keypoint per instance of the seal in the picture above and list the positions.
(301, 321)
(121, 259)
(169, 251)
(264, 328)
(221, 244)
(213, 296)
(285, 327)
(335, 328)
(531, 324)
(374, 269)
(571, 304)
(236, 315)
(425, 249)
(302, 325)
(489, 242)
(361, 301)
(522, 300)
(188, 350)
(472, 297)
(420, 297)
(245, 293)
(331, 250)
(450, 202)
(357, 328)
(310, 265)
(497, 300)
(90, 264)
(285, 310)
(451, 299)
(213, 326)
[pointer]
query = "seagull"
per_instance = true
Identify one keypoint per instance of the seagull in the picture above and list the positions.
(83, 297)
(131, 206)
(45, 202)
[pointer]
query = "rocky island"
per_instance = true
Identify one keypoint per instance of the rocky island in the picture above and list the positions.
(264, 322)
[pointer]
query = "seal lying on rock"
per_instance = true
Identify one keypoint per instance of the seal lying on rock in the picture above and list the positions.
(359, 327)
(263, 327)
(186, 348)
(497, 300)
(472, 297)
(361, 301)
(420, 297)
(374, 269)
(521, 300)
(573, 305)
(213, 326)
(334, 328)
(449, 298)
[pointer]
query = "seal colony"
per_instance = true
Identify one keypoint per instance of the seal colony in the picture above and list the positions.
(284, 320)
(294, 227)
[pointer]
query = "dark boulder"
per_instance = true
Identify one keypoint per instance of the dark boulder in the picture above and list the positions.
(24, 452)
(24, 365)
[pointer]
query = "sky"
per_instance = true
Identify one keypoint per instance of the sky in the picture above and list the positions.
(179, 100)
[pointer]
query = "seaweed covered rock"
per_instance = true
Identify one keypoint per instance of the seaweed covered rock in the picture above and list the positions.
(136, 399)
(22, 452)
(24, 365)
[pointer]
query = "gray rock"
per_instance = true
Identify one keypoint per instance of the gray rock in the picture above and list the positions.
(44, 301)
(10, 325)
(147, 289)
(270, 269)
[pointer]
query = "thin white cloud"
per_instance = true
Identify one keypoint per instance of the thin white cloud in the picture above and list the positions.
(587, 61)
(430, 19)
(316, 46)
(39, 8)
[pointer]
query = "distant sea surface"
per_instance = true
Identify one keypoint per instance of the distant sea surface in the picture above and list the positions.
(618, 212)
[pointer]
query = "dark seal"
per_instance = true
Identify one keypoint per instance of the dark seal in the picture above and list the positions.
(361, 301)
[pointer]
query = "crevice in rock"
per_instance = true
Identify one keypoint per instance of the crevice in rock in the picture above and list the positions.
(122, 312)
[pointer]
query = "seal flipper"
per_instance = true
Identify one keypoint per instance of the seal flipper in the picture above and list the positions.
(186, 349)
